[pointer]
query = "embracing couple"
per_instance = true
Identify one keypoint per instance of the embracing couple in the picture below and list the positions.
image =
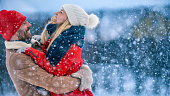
(57, 68)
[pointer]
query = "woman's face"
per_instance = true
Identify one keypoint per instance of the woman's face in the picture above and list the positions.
(61, 16)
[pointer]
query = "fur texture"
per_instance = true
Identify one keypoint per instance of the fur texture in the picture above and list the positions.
(93, 21)
(16, 44)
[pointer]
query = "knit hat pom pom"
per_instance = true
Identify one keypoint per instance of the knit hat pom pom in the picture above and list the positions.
(93, 21)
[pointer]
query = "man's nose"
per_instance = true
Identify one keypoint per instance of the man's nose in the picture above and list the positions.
(29, 25)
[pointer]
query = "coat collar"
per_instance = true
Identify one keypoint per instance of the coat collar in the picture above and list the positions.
(16, 44)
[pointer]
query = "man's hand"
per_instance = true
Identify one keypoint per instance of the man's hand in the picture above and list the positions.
(85, 74)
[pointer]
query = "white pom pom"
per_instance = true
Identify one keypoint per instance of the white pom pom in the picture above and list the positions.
(93, 21)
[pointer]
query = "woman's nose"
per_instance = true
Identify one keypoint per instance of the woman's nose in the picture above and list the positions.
(56, 13)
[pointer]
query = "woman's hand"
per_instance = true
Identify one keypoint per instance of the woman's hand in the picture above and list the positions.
(36, 39)
(85, 75)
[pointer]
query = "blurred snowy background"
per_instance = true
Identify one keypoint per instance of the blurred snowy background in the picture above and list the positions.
(128, 52)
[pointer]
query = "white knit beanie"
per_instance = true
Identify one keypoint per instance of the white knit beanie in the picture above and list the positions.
(78, 17)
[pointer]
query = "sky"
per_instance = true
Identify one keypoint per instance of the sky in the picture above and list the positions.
(55, 5)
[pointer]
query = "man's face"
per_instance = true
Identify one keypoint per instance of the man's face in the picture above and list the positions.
(24, 31)
(61, 16)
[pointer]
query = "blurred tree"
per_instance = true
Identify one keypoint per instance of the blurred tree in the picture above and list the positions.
(152, 25)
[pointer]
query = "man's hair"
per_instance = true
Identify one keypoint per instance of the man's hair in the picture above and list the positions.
(21, 34)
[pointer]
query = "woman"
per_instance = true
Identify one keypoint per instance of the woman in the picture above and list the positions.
(62, 41)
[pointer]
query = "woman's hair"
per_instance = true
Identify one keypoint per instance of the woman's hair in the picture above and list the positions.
(59, 30)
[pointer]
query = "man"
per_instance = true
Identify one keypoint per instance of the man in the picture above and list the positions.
(25, 74)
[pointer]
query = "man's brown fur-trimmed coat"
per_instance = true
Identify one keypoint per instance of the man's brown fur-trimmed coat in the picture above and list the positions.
(26, 75)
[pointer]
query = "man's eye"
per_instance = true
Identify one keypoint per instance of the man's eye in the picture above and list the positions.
(24, 23)
(61, 12)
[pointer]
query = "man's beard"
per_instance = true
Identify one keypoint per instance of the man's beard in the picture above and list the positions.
(23, 36)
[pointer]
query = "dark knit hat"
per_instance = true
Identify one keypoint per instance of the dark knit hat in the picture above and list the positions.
(10, 22)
